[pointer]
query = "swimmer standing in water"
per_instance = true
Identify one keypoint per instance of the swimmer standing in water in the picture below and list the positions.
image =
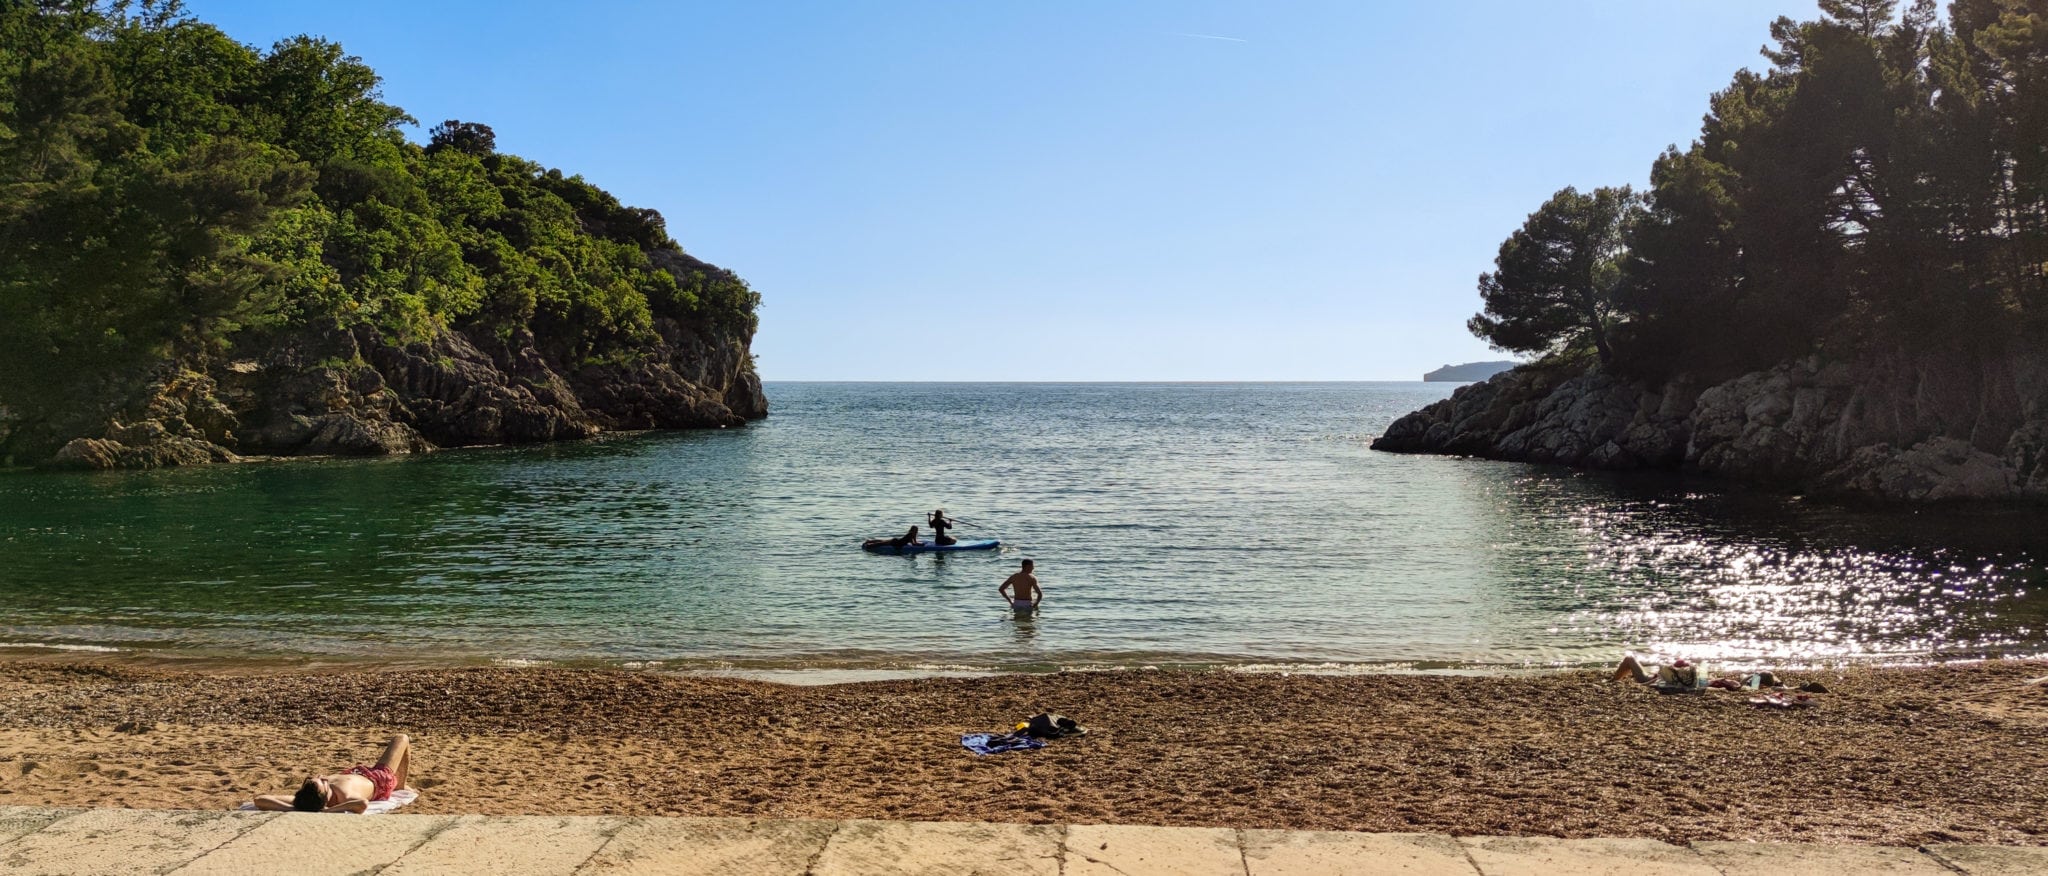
(1021, 589)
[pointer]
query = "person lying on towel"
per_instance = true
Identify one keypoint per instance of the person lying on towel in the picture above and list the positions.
(350, 791)
(1678, 674)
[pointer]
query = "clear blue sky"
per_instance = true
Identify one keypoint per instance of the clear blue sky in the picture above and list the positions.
(1072, 190)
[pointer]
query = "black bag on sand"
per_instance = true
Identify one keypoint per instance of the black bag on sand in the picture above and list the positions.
(1046, 725)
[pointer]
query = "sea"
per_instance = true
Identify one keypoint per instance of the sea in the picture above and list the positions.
(1226, 526)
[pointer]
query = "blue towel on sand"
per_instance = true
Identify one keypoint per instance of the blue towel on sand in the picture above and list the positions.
(989, 743)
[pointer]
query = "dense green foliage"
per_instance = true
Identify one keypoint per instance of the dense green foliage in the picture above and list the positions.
(166, 190)
(1883, 183)
(1559, 277)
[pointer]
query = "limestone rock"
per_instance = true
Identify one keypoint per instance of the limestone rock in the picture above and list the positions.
(102, 454)
(332, 390)
(1589, 419)
(347, 434)
(176, 421)
(88, 453)
(1972, 426)
(2026, 453)
(1934, 470)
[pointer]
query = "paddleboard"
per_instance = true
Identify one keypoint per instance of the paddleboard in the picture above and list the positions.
(925, 547)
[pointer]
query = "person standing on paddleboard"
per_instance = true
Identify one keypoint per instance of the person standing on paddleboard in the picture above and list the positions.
(940, 523)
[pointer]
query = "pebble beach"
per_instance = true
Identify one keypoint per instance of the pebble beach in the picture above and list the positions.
(1896, 756)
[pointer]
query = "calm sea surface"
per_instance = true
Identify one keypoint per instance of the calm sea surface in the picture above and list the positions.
(1173, 524)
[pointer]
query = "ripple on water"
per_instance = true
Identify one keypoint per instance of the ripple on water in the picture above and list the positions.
(1178, 525)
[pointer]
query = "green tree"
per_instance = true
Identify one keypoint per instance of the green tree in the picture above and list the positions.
(115, 254)
(322, 103)
(1555, 282)
(167, 193)
(473, 138)
(1869, 17)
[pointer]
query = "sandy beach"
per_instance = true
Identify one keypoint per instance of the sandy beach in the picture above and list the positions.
(1892, 756)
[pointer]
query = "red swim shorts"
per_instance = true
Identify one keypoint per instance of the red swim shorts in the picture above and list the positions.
(382, 779)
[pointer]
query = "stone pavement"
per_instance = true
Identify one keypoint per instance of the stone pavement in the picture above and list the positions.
(105, 842)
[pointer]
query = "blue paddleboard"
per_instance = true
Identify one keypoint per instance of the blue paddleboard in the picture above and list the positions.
(925, 547)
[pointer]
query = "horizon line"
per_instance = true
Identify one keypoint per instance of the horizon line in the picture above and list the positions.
(1110, 380)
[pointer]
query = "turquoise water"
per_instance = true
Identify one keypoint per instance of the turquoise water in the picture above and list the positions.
(1174, 524)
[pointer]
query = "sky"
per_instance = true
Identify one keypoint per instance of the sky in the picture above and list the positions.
(1070, 190)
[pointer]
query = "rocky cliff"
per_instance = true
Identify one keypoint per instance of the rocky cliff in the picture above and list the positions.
(1898, 427)
(338, 391)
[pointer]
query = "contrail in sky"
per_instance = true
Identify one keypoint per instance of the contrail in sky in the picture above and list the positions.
(1209, 36)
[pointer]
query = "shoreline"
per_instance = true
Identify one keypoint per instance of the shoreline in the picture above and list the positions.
(1891, 756)
(804, 673)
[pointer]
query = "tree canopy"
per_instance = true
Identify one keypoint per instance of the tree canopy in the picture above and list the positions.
(166, 190)
(1883, 181)
(1555, 281)
(471, 137)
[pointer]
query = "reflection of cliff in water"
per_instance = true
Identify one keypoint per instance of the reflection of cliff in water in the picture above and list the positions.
(1662, 562)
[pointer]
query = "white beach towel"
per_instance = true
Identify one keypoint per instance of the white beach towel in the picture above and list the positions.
(398, 798)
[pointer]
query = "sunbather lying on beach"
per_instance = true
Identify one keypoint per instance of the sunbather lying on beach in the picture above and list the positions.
(1686, 675)
(350, 791)
(1765, 680)
(1678, 674)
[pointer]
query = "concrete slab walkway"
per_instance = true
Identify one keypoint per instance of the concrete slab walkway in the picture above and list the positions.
(108, 842)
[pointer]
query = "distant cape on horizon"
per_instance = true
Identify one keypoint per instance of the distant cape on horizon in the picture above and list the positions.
(1469, 372)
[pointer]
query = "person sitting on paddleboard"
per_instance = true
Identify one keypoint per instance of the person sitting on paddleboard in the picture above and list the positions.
(940, 523)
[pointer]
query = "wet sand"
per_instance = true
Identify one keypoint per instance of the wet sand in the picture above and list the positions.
(1894, 756)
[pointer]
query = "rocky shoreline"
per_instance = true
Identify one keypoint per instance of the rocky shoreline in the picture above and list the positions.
(353, 392)
(1894, 428)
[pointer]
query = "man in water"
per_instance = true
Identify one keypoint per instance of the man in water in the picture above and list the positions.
(350, 791)
(1021, 589)
(940, 523)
